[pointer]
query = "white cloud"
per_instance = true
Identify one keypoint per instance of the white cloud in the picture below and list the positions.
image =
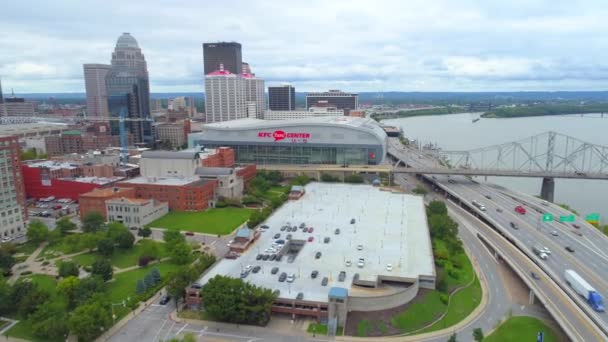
(423, 45)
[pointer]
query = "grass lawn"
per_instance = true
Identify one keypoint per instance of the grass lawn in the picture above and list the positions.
(521, 328)
(121, 258)
(213, 221)
(27, 248)
(364, 328)
(462, 304)
(123, 285)
(86, 259)
(317, 328)
(420, 313)
(54, 249)
(45, 282)
(23, 330)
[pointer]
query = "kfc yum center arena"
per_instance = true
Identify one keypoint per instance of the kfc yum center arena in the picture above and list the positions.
(318, 140)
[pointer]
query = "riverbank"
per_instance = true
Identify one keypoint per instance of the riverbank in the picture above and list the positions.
(420, 112)
(545, 110)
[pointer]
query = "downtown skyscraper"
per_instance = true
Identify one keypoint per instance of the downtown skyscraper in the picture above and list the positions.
(95, 86)
(226, 53)
(128, 89)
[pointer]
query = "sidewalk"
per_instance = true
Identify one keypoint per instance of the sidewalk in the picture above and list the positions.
(142, 306)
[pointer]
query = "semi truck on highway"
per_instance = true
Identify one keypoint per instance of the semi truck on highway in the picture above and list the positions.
(585, 290)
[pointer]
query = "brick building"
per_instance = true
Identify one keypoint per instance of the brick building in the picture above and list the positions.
(95, 201)
(220, 157)
(13, 211)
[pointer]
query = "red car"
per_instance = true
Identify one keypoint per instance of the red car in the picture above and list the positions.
(311, 229)
(190, 233)
(521, 210)
(310, 239)
(56, 207)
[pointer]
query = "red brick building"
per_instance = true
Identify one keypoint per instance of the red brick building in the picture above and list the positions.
(182, 194)
(223, 157)
(95, 201)
(247, 172)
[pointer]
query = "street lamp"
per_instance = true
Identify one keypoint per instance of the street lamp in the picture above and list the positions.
(123, 303)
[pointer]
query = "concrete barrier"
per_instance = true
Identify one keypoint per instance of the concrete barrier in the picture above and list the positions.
(383, 302)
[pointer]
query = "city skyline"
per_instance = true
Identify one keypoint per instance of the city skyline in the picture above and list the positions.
(352, 46)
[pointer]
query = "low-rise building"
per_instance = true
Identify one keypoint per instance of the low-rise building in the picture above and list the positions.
(301, 114)
(135, 212)
(176, 133)
(95, 201)
(230, 185)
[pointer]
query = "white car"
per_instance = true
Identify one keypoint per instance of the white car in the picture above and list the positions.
(229, 243)
(554, 233)
(542, 256)
(361, 263)
(291, 278)
(546, 250)
(359, 247)
(348, 263)
(248, 267)
(389, 267)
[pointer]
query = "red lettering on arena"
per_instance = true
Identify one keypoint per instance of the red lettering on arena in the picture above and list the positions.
(278, 135)
(282, 135)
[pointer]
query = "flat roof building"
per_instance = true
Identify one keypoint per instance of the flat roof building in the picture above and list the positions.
(282, 98)
(379, 239)
(336, 98)
(226, 53)
(302, 114)
(319, 140)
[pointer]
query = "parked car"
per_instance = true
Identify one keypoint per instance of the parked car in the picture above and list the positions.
(288, 237)
(276, 236)
(305, 230)
(352, 221)
(244, 274)
(311, 239)
(283, 228)
(264, 226)
(317, 255)
(265, 257)
(282, 277)
(534, 276)
(280, 242)
(300, 296)
(165, 299)
(326, 240)
(348, 263)
(229, 243)
(259, 257)
(56, 207)
(302, 225)
(279, 257)
(190, 233)
(291, 258)
(342, 276)
(359, 247)
(314, 274)
(274, 270)
(337, 231)
(324, 281)
(273, 257)
(389, 267)
(291, 278)
(311, 229)
(554, 233)
(514, 225)
(256, 269)
(576, 226)
(570, 249)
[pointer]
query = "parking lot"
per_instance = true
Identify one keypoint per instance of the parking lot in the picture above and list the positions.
(51, 207)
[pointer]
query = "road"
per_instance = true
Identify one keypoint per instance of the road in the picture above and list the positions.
(529, 234)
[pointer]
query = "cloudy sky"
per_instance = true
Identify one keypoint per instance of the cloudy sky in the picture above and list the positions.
(357, 45)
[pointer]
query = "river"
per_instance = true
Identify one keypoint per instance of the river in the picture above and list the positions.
(458, 132)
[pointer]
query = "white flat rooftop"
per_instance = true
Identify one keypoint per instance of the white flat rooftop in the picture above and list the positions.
(390, 227)
(173, 181)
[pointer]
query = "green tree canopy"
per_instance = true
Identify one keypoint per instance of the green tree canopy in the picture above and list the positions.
(102, 268)
(478, 334)
(37, 231)
(68, 287)
(89, 320)
(178, 281)
(144, 232)
(50, 320)
(437, 207)
(68, 268)
(64, 225)
(88, 287)
(93, 222)
(180, 253)
(125, 240)
(105, 247)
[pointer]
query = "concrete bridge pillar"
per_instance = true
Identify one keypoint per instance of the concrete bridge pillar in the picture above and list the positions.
(531, 298)
(548, 189)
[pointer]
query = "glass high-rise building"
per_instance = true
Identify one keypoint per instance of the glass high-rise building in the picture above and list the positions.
(95, 86)
(128, 89)
(282, 98)
(226, 53)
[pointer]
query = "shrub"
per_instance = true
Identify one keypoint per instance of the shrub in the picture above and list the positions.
(444, 298)
(45, 263)
(144, 260)
(26, 272)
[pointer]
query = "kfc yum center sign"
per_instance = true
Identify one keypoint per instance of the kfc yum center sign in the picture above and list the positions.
(279, 135)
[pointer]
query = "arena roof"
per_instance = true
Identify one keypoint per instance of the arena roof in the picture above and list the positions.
(391, 228)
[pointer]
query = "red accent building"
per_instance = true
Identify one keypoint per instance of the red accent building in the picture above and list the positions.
(191, 194)
(95, 201)
(223, 157)
(60, 182)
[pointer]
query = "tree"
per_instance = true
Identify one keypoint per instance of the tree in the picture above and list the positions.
(180, 254)
(5, 296)
(26, 296)
(172, 237)
(452, 338)
(478, 334)
(140, 287)
(64, 225)
(69, 288)
(144, 232)
(105, 247)
(88, 287)
(68, 268)
(155, 275)
(232, 300)
(115, 229)
(89, 241)
(125, 240)
(50, 320)
(89, 320)
(178, 281)
(437, 207)
(93, 222)
(102, 268)
(6, 261)
(37, 231)
(149, 281)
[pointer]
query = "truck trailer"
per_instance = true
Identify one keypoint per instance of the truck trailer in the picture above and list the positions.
(582, 287)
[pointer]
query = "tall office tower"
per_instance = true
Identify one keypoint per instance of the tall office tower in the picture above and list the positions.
(226, 53)
(254, 93)
(95, 85)
(13, 211)
(246, 68)
(128, 89)
(224, 96)
(334, 98)
(1, 96)
(282, 97)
